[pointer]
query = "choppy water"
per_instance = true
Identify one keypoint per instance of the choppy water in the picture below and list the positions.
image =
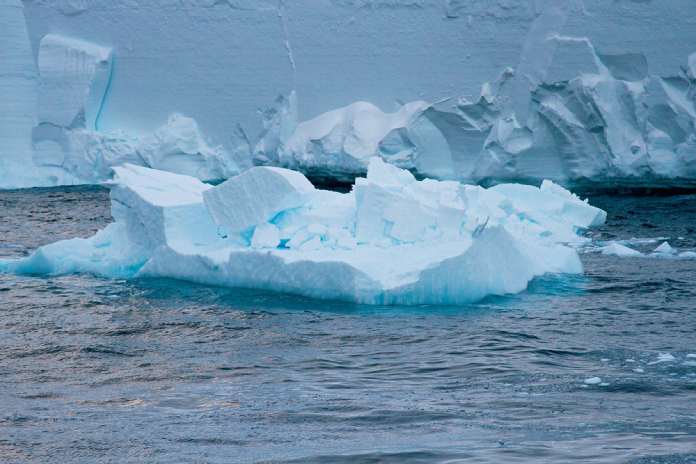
(95, 370)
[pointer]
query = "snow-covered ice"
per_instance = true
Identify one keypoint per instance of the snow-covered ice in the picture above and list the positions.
(59, 106)
(505, 89)
(339, 143)
(392, 240)
(590, 118)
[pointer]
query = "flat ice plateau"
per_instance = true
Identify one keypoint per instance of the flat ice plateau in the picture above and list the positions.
(577, 91)
(391, 240)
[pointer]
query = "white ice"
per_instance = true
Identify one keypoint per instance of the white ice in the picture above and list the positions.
(516, 89)
(616, 249)
(392, 240)
(665, 248)
(74, 78)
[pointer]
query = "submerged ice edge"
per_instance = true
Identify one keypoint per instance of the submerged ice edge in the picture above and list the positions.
(391, 240)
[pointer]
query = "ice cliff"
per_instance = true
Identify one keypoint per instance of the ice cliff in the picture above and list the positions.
(391, 240)
(572, 90)
(587, 118)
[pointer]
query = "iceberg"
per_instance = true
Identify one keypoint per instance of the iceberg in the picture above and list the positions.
(391, 240)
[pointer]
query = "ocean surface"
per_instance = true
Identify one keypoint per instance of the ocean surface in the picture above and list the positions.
(599, 368)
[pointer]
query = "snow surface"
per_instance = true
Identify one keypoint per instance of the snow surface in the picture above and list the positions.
(574, 91)
(392, 240)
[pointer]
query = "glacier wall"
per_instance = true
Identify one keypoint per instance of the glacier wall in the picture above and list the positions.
(223, 63)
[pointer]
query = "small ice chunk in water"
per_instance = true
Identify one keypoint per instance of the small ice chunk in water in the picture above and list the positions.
(691, 355)
(638, 370)
(663, 357)
(593, 381)
(617, 249)
(665, 248)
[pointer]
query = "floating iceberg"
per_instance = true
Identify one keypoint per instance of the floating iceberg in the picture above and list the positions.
(391, 240)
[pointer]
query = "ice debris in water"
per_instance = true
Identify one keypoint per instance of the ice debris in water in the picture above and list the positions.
(391, 240)
(617, 249)
(593, 381)
(662, 358)
(665, 248)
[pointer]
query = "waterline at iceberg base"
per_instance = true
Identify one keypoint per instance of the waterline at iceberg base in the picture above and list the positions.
(391, 240)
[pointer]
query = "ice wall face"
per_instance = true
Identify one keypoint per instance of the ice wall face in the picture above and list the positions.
(51, 129)
(75, 76)
(221, 61)
(18, 86)
(575, 116)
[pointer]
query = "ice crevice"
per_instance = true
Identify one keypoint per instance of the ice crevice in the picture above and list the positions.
(287, 44)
